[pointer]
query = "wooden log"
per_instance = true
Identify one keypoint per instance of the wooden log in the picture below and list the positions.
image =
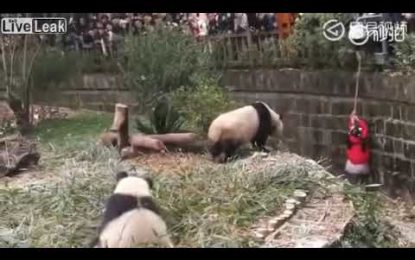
(198, 146)
(128, 153)
(183, 142)
(175, 138)
(144, 143)
(120, 124)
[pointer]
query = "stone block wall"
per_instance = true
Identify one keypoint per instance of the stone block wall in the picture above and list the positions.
(316, 106)
(96, 92)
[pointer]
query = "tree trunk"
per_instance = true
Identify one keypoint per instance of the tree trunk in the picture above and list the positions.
(22, 116)
(120, 125)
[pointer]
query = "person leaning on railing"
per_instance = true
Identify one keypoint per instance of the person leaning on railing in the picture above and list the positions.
(410, 19)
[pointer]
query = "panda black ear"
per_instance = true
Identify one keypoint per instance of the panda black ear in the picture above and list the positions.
(281, 117)
(149, 182)
(120, 175)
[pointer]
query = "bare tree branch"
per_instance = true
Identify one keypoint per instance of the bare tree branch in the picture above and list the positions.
(18, 63)
(4, 61)
(32, 61)
(13, 44)
(24, 58)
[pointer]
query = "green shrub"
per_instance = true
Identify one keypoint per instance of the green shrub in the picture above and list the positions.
(308, 43)
(201, 104)
(405, 53)
(95, 62)
(367, 228)
(161, 61)
(163, 119)
(53, 67)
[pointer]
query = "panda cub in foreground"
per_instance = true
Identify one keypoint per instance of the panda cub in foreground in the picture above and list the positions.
(131, 216)
(252, 123)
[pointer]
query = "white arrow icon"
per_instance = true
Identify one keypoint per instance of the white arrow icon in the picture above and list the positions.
(333, 30)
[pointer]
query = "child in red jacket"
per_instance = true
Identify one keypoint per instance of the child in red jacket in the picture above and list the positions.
(358, 156)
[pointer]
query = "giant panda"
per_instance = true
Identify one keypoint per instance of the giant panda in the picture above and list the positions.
(252, 123)
(131, 216)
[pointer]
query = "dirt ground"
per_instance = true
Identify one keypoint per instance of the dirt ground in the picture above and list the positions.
(171, 163)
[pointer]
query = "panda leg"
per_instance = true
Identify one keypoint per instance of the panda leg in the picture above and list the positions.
(217, 152)
(96, 243)
(263, 149)
(230, 148)
(167, 242)
(216, 149)
(260, 144)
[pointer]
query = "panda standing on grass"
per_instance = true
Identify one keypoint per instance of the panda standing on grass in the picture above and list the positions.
(249, 124)
(131, 217)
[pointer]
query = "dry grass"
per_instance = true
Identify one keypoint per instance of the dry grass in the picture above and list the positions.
(205, 204)
(171, 163)
(61, 212)
(210, 205)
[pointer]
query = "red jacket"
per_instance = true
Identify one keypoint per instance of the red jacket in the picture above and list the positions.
(358, 147)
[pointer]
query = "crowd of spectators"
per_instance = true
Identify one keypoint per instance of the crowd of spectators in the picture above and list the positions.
(103, 31)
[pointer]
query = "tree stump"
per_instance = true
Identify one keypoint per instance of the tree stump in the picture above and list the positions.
(120, 125)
